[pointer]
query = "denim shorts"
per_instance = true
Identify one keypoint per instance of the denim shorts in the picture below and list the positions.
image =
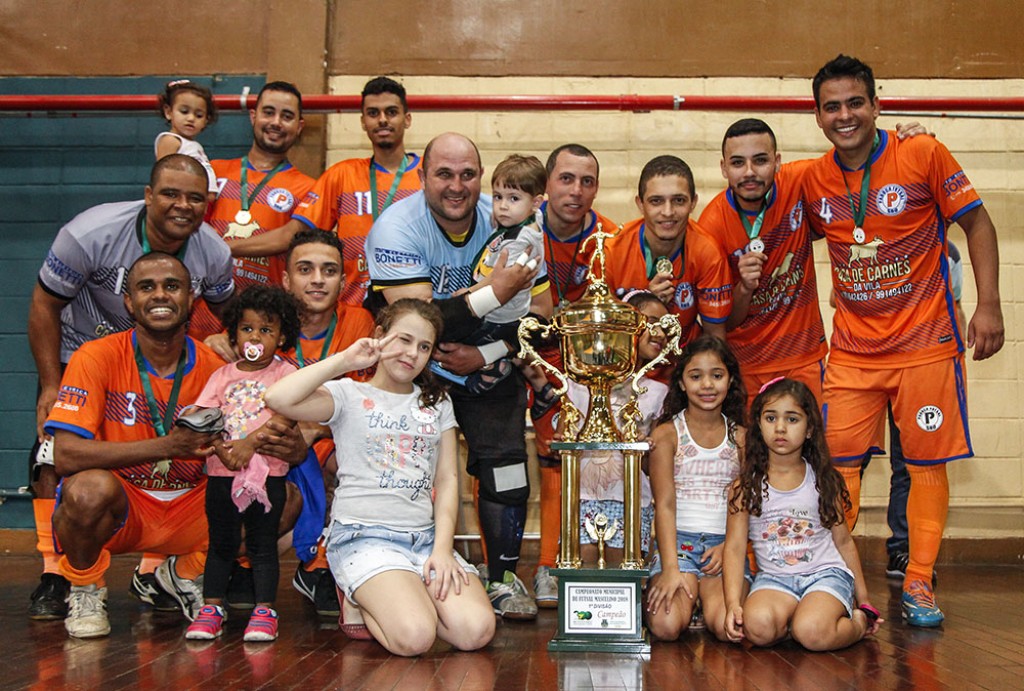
(690, 548)
(589, 508)
(357, 553)
(834, 581)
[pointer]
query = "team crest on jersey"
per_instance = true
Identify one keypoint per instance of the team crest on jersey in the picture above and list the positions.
(796, 216)
(891, 200)
(929, 418)
(684, 295)
(579, 275)
(280, 199)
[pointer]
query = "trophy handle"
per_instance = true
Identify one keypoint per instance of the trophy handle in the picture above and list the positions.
(668, 323)
(570, 414)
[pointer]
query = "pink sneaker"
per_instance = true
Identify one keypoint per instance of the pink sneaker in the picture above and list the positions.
(208, 624)
(262, 626)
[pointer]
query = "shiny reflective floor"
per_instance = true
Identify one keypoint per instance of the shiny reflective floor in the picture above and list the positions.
(980, 646)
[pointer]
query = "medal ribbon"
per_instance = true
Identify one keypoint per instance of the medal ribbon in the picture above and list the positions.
(651, 262)
(161, 425)
(860, 212)
(575, 256)
(394, 186)
(754, 229)
(323, 350)
(146, 248)
(243, 193)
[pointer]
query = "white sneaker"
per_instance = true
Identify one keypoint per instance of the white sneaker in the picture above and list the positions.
(87, 612)
(188, 593)
(510, 600)
(545, 588)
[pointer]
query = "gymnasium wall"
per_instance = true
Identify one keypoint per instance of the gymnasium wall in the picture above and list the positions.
(730, 47)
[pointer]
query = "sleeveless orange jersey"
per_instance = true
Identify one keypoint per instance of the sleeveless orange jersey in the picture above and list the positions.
(703, 281)
(101, 397)
(271, 209)
(894, 305)
(341, 197)
(783, 329)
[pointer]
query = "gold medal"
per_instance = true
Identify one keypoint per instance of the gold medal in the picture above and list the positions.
(243, 217)
(663, 265)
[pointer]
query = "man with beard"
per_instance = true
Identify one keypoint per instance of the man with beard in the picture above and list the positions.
(133, 480)
(352, 193)
(257, 192)
(79, 297)
(426, 247)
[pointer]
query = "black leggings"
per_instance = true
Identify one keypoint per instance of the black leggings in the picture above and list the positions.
(226, 523)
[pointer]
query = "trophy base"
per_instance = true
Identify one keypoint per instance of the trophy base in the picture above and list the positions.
(600, 610)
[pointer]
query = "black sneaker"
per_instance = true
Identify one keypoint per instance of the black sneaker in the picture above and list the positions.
(241, 589)
(145, 588)
(318, 586)
(50, 598)
(897, 567)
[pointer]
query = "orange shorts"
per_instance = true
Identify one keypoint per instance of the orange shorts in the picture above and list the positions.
(810, 374)
(929, 405)
(165, 527)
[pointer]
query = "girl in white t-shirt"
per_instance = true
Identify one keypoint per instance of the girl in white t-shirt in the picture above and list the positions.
(188, 109)
(789, 501)
(698, 445)
(393, 518)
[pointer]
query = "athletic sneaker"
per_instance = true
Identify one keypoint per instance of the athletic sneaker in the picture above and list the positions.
(241, 589)
(145, 588)
(208, 624)
(697, 622)
(545, 588)
(897, 567)
(262, 626)
(481, 570)
(50, 598)
(87, 612)
(318, 586)
(919, 608)
(188, 593)
(510, 599)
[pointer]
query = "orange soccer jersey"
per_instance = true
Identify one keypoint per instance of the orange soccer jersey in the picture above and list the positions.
(353, 323)
(783, 329)
(101, 397)
(894, 306)
(703, 281)
(342, 197)
(271, 209)
(567, 261)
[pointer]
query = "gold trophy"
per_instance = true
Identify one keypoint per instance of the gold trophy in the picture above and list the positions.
(598, 341)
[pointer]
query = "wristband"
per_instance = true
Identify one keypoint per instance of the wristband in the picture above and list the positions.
(483, 301)
(870, 612)
(493, 352)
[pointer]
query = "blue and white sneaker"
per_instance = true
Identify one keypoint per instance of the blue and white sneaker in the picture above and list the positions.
(919, 608)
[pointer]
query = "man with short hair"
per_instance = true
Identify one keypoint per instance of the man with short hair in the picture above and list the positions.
(79, 297)
(775, 327)
(257, 192)
(884, 207)
(426, 247)
(133, 480)
(668, 254)
(351, 194)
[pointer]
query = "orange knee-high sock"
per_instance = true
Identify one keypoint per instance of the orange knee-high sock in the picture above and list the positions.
(476, 507)
(550, 514)
(319, 561)
(191, 566)
(851, 475)
(927, 507)
(89, 575)
(150, 561)
(43, 511)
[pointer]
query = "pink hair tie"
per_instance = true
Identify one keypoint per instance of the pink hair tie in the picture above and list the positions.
(767, 384)
(178, 82)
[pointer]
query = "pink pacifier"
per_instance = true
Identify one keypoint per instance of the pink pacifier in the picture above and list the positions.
(253, 351)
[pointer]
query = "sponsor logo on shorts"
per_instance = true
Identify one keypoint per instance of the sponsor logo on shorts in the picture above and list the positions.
(929, 418)
(280, 199)
(891, 200)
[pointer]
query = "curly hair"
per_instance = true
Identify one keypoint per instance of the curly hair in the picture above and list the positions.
(752, 484)
(735, 397)
(177, 86)
(270, 301)
(432, 391)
